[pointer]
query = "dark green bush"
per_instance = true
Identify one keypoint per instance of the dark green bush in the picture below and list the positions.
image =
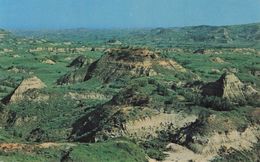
(213, 102)
(216, 103)
(162, 90)
(154, 149)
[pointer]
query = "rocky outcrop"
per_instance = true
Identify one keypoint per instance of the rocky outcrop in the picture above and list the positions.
(16, 70)
(123, 62)
(206, 139)
(80, 65)
(150, 126)
(131, 113)
(217, 60)
(112, 121)
(108, 120)
(204, 148)
(87, 95)
(48, 61)
(114, 42)
(230, 87)
(75, 76)
(56, 49)
(80, 61)
(26, 85)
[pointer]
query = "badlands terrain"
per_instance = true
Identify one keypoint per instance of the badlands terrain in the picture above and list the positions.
(130, 95)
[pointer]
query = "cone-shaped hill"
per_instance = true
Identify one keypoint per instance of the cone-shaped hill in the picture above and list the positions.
(230, 87)
(124, 63)
(19, 93)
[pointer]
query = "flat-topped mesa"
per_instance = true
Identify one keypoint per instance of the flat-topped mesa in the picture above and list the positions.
(133, 62)
(131, 54)
(230, 87)
(118, 63)
(19, 93)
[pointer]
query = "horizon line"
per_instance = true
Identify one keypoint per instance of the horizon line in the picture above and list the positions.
(119, 28)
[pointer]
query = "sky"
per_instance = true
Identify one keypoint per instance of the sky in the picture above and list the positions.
(61, 14)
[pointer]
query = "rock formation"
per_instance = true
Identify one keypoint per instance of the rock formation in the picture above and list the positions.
(130, 113)
(75, 76)
(48, 61)
(26, 85)
(230, 87)
(114, 42)
(206, 138)
(80, 61)
(126, 63)
(217, 60)
(80, 65)
(118, 63)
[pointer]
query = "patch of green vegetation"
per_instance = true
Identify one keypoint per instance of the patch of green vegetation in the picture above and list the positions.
(110, 151)
(54, 117)
(155, 148)
(186, 37)
(118, 150)
(133, 98)
(22, 157)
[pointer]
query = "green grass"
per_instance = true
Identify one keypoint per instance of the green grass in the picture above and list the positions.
(202, 65)
(56, 116)
(110, 151)
(119, 150)
(21, 157)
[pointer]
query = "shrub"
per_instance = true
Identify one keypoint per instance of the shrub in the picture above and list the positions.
(162, 90)
(154, 149)
(216, 103)
(142, 82)
(152, 81)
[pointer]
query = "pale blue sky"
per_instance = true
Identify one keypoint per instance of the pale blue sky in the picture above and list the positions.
(35, 14)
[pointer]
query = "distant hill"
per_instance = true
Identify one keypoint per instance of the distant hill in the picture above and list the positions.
(247, 35)
(3, 33)
(173, 94)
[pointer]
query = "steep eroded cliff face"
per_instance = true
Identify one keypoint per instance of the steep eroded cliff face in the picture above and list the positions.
(230, 87)
(206, 140)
